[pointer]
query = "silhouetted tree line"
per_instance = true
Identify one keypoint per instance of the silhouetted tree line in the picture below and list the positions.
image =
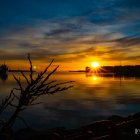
(122, 70)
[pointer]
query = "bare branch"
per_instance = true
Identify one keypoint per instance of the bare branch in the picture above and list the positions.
(31, 68)
(7, 101)
(35, 87)
(18, 82)
(49, 75)
(25, 77)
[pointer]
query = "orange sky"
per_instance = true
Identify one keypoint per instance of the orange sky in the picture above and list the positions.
(73, 32)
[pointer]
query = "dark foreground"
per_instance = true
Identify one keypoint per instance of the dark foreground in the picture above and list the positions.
(114, 128)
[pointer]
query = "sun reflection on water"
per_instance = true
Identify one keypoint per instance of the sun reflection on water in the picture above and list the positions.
(94, 79)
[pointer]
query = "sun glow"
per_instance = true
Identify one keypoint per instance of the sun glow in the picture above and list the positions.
(95, 64)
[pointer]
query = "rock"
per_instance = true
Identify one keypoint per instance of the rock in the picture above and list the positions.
(136, 116)
(116, 119)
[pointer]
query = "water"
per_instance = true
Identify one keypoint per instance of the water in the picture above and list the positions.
(92, 98)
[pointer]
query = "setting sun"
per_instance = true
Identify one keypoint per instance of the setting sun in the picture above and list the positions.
(95, 64)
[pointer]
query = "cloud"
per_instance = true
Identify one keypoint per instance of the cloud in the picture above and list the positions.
(106, 46)
(10, 55)
(58, 32)
(109, 29)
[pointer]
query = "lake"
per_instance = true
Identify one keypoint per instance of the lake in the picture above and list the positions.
(92, 98)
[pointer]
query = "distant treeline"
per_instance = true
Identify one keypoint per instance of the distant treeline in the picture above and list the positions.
(122, 70)
(127, 70)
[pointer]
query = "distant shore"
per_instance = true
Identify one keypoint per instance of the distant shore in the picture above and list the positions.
(127, 70)
(19, 71)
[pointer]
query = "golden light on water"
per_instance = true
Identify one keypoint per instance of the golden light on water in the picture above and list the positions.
(94, 78)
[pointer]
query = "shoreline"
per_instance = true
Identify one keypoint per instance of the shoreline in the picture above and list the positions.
(114, 128)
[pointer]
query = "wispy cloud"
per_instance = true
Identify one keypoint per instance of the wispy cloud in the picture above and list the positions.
(108, 28)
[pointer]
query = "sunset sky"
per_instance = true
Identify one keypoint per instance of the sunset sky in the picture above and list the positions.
(73, 32)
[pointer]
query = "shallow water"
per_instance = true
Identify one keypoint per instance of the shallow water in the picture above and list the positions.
(92, 98)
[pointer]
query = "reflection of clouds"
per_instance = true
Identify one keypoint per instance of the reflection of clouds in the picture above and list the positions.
(73, 113)
(79, 108)
(84, 103)
(100, 100)
(85, 110)
(129, 100)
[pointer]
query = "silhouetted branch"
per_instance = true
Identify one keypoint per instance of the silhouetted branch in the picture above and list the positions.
(25, 77)
(35, 87)
(23, 121)
(31, 68)
(7, 101)
(18, 82)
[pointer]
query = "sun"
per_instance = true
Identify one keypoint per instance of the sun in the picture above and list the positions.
(95, 64)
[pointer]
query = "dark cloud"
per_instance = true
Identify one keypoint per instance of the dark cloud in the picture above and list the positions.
(28, 45)
(58, 32)
(106, 38)
(128, 41)
(8, 55)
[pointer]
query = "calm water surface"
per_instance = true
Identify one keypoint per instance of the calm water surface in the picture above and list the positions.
(92, 98)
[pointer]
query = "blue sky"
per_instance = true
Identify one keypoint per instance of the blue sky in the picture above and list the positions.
(70, 29)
